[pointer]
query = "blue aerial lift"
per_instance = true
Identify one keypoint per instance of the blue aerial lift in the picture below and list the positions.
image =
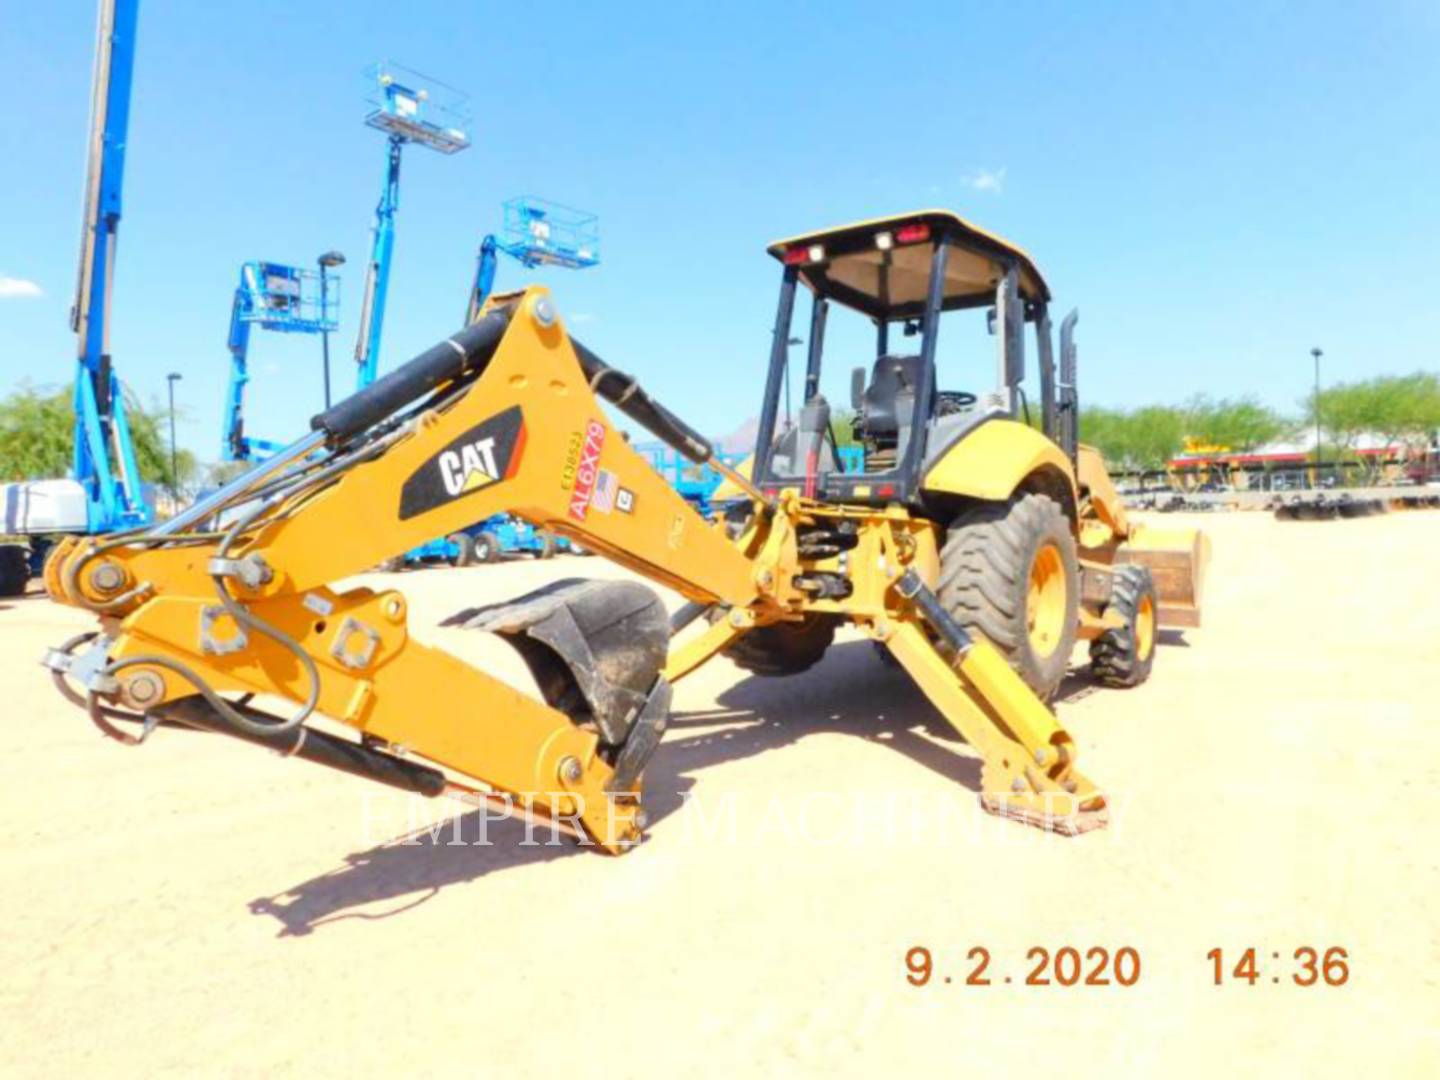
(409, 108)
(104, 493)
(697, 484)
(275, 297)
(535, 233)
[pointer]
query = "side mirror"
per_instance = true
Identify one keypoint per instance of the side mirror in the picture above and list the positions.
(857, 388)
(990, 321)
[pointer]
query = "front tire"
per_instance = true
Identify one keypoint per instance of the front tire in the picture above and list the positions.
(785, 648)
(1123, 657)
(1010, 572)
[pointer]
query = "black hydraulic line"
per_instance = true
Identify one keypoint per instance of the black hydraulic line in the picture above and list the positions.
(312, 745)
(687, 614)
(459, 355)
(622, 391)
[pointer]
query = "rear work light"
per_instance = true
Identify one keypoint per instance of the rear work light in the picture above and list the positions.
(912, 234)
(798, 254)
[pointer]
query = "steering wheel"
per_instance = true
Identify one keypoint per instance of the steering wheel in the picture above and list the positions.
(953, 401)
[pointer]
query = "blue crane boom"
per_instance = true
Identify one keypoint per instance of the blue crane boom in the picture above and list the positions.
(235, 446)
(377, 273)
(104, 455)
(103, 493)
(409, 108)
(484, 283)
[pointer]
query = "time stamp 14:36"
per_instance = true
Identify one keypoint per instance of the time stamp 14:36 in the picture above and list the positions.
(1068, 965)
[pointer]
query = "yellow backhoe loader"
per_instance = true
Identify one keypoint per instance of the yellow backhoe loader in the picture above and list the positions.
(1035, 549)
(960, 514)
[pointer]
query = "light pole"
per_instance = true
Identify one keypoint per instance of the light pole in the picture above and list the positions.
(327, 261)
(1317, 353)
(170, 381)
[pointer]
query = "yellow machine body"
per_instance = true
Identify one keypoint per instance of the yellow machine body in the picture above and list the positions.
(1002, 457)
(521, 431)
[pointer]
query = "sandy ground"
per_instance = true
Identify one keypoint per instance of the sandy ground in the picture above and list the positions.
(199, 906)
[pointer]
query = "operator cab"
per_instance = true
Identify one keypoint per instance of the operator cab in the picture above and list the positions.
(890, 280)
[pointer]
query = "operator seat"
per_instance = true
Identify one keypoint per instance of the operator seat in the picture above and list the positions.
(882, 412)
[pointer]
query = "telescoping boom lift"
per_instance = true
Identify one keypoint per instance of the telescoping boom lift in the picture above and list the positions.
(409, 108)
(535, 233)
(274, 297)
(505, 416)
(104, 491)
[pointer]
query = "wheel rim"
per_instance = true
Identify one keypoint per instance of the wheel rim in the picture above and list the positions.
(1045, 601)
(1145, 628)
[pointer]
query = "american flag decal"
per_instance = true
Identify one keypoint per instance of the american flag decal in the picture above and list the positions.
(607, 485)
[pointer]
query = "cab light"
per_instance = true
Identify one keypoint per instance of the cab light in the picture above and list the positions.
(799, 254)
(912, 234)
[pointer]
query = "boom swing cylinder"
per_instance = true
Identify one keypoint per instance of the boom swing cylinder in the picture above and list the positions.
(235, 597)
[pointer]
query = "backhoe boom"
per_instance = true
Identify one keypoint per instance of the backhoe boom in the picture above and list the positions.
(504, 417)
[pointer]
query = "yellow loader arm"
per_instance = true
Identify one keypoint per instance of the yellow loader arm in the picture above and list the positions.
(233, 598)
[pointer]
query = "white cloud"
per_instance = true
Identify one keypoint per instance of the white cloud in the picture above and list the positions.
(991, 180)
(19, 288)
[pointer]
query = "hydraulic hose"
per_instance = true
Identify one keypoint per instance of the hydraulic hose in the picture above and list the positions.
(627, 395)
(457, 356)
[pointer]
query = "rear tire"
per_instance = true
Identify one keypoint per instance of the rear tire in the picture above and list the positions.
(1009, 572)
(1124, 657)
(14, 569)
(786, 648)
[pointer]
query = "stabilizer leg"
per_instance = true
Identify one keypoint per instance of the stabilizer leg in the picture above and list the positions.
(1029, 760)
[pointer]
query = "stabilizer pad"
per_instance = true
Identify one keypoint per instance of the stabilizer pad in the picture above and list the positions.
(595, 647)
(1019, 809)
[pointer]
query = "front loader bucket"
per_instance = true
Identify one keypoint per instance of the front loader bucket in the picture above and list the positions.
(1177, 559)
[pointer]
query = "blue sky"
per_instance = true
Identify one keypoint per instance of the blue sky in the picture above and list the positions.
(1217, 187)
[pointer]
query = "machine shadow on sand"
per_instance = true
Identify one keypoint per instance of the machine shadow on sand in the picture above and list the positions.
(752, 717)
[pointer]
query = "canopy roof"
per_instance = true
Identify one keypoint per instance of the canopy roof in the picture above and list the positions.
(891, 282)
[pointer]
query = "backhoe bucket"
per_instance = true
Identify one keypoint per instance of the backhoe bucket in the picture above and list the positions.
(1177, 559)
